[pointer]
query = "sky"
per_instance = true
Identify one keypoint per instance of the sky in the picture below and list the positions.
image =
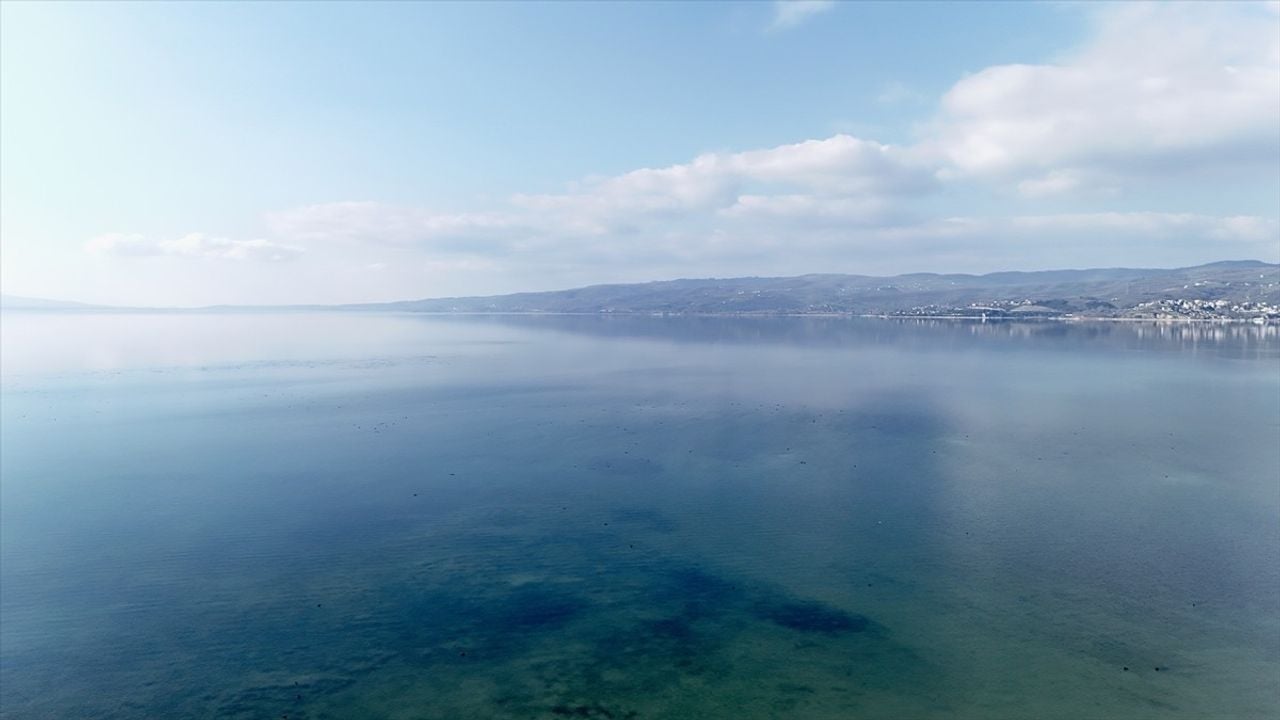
(258, 153)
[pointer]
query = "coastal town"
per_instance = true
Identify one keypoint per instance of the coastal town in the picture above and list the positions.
(1161, 309)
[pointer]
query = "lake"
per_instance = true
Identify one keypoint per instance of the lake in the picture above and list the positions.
(406, 516)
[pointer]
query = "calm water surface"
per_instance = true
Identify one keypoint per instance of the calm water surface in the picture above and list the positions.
(397, 516)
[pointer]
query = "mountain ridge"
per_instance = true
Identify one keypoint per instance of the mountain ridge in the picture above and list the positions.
(1223, 289)
(1099, 292)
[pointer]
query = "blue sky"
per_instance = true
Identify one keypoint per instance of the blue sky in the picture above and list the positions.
(288, 152)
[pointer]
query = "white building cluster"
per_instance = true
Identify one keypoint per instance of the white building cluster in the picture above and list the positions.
(1207, 309)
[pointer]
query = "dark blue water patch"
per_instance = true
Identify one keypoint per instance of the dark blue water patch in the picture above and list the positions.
(696, 592)
(674, 629)
(694, 596)
(809, 616)
(491, 619)
(536, 608)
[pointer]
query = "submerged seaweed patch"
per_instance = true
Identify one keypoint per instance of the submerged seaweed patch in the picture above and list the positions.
(491, 619)
(699, 594)
(570, 633)
(676, 629)
(537, 608)
(703, 595)
(811, 616)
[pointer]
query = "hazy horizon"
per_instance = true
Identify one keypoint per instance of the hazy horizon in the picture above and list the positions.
(61, 301)
(350, 153)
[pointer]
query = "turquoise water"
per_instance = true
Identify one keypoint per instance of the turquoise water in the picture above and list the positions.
(398, 516)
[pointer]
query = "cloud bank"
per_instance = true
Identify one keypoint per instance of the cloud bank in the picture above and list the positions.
(191, 245)
(1161, 89)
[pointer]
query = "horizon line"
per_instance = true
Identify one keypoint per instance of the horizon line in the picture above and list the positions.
(60, 304)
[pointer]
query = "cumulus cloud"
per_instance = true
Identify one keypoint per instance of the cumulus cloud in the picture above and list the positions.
(841, 176)
(121, 245)
(1160, 88)
(790, 13)
(379, 223)
(861, 171)
(802, 211)
(193, 245)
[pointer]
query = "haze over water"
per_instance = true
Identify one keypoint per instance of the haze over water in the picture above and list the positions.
(400, 516)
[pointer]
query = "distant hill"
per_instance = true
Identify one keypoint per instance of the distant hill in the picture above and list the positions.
(1097, 292)
(1240, 289)
(15, 302)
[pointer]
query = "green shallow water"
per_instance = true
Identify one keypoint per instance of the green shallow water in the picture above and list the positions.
(396, 516)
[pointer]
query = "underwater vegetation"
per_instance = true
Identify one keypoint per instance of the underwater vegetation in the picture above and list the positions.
(812, 617)
(576, 638)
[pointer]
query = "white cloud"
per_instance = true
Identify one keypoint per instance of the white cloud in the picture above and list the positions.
(839, 165)
(193, 245)
(861, 171)
(121, 245)
(375, 222)
(799, 211)
(1165, 88)
(790, 13)
(841, 176)
(1055, 182)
